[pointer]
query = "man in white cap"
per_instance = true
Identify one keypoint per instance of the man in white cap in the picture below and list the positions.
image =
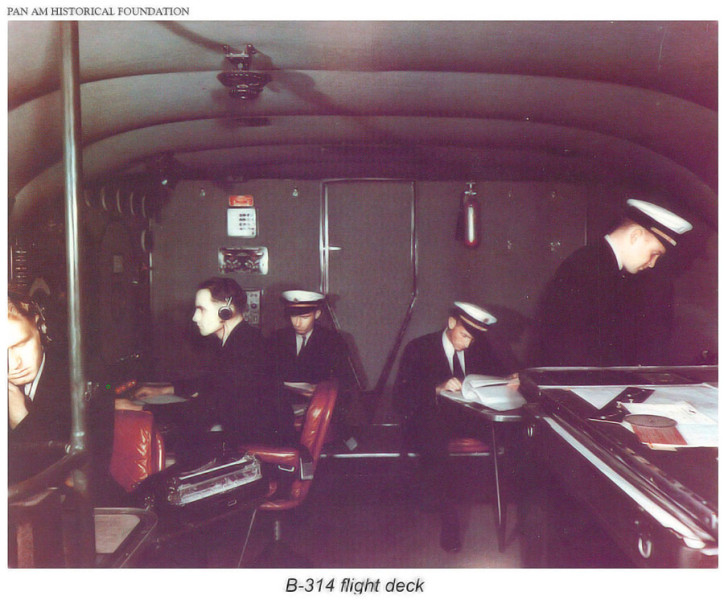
(430, 364)
(594, 312)
(306, 352)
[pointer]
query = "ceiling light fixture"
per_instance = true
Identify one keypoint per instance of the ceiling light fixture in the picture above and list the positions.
(243, 84)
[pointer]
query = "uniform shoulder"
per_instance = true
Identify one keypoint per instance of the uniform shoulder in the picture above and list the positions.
(583, 260)
(244, 331)
(326, 332)
(424, 341)
(282, 332)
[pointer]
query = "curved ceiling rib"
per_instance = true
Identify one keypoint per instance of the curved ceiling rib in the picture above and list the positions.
(587, 101)
(660, 122)
(487, 143)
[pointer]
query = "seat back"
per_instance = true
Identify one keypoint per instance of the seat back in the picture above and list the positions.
(318, 418)
(314, 431)
(138, 448)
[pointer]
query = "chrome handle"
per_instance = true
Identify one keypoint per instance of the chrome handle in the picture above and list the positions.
(645, 546)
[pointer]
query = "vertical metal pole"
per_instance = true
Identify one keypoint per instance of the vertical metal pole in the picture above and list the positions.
(413, 239)
(73, 177)
(324, 240)
(70, 91)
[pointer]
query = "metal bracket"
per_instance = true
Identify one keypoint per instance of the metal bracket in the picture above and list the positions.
(240, 60)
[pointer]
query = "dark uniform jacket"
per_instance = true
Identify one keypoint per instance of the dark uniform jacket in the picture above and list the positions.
(236, 391)
(325, 356)
(48, 420)
(424, 365)
(593, 314)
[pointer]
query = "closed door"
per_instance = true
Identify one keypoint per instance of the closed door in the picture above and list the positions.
(369, 275)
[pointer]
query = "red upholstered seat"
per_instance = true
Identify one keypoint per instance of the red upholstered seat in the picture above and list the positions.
(331, 435)
(314, 432)
(316, 425)
(467, 445)
(138, 448)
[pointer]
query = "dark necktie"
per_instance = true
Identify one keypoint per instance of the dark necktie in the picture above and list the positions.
(457, 369)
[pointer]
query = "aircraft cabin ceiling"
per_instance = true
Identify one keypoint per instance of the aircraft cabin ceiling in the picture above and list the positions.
(629, 103)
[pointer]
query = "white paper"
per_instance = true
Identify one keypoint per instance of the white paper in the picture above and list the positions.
(161, 399)
(476, 381)
(682, 412)
(491, 392)
(299, 409)
(111, 530)
(597, 396)
(300, 387)
(694, 408)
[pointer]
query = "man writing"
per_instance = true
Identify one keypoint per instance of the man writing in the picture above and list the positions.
(439, 362)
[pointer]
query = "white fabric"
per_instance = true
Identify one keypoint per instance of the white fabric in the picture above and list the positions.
(301, 296)
(302, 341)
(476, 312)
(663, 216)
(615, 253)
(31, 388)
(449, 349)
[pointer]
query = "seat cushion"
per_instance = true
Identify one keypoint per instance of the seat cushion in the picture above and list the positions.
(467, 445)
(134, 447)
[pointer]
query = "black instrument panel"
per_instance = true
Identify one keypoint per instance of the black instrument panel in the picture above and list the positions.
(659, 506)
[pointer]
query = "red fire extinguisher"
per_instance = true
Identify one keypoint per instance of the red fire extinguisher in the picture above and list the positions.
(468, 227)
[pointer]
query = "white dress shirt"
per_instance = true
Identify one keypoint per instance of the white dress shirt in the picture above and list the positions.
(302, 341)
(449, 350)
(30, 388)
(618, 258)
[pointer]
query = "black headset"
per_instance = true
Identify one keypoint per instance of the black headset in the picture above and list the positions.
(33, 310)
(226, 312)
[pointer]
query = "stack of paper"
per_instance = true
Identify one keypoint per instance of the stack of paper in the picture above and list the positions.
(492, 392)
(695, 427)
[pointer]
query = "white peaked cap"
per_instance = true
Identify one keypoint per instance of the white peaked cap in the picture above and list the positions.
(660, 221)
(474, 316)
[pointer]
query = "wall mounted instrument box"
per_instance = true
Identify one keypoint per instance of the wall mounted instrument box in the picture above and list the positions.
(252, 314)
(244, 260)
(241, 222)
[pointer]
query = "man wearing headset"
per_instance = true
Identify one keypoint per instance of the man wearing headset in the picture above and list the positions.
(235, 394)
(38, 391)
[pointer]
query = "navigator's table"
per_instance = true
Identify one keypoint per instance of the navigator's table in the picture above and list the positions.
(658, 506)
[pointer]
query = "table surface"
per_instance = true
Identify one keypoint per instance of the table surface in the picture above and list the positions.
(494, 416)
(695, 466)
(120, 533)
(689, 472)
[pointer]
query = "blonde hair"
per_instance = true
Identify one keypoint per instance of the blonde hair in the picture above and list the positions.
(21, 307)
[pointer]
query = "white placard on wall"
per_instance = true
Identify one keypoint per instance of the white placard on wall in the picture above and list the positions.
(241, 222)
